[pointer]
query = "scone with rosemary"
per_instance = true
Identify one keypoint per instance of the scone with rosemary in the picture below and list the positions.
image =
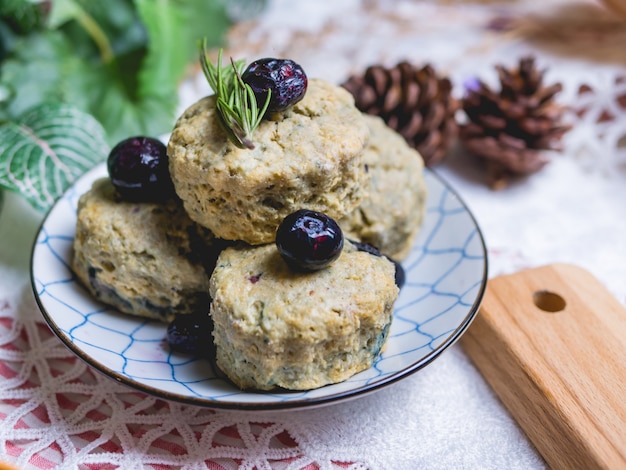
(143, 258)
(392, 214)
(307, 156)
(276, 327)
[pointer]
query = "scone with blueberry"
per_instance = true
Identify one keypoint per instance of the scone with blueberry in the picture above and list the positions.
(135, 248)
(277, 324)
(391, 215)
(142, 258)
(309, 155)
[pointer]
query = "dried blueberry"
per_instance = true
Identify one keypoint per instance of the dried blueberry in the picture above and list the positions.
(283, 77)
(309, 240)
(191, 333)
(138, 168)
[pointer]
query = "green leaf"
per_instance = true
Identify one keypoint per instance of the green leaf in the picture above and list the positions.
(44, 153)
(62, 11)
(166, 60)
(148, 106)
(174, 30)
(124, 116)
(65, 10)
(23, 16)
(105, 29)
(44, 69)
(135, 92)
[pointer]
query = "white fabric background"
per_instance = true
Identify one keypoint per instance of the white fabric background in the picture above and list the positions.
(444, 416)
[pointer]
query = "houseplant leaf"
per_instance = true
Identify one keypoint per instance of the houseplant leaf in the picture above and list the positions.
(47, 149)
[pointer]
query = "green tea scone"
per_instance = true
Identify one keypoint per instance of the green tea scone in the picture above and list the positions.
(391, 216)
(309, 156)
(145, 259)
(278, 328)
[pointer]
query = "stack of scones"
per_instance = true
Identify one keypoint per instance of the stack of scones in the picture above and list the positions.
(211, 248)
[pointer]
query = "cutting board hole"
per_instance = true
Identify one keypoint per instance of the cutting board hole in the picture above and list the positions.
(548, 301)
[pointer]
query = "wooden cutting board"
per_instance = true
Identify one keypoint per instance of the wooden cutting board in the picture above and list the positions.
(551, 342)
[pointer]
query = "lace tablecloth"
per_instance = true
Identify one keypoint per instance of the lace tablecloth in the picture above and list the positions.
(56, 412)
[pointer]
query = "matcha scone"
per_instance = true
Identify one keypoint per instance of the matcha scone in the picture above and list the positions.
(308, 156)
(275, 327)
(392, 214)
(145, 259)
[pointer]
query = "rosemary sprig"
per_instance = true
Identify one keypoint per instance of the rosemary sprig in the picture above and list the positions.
(236, 104)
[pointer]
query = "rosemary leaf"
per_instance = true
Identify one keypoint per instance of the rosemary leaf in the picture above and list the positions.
(235, 101)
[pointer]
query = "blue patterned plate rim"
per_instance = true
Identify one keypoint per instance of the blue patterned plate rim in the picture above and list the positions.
(446, 273)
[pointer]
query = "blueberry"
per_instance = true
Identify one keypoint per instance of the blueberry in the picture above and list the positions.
(309, 240)
(400, 275)
(138, 168)
(286, 80)
(191, 333)
(366, 247)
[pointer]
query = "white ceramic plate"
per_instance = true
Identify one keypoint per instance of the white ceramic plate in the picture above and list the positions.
(446, 277)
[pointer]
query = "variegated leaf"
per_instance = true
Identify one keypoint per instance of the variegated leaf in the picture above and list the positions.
(43, 153)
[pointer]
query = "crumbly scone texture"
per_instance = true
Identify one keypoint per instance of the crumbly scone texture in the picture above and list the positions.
(299, 331)
(307, 157)
(145, 259)
(393, 212)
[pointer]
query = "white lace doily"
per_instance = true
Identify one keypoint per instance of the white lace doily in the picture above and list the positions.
(56, 412)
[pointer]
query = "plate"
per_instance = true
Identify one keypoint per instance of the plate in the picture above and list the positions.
(446, 274)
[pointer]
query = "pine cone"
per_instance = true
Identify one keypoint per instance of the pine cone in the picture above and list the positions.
(512, 128)
(414, 101)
